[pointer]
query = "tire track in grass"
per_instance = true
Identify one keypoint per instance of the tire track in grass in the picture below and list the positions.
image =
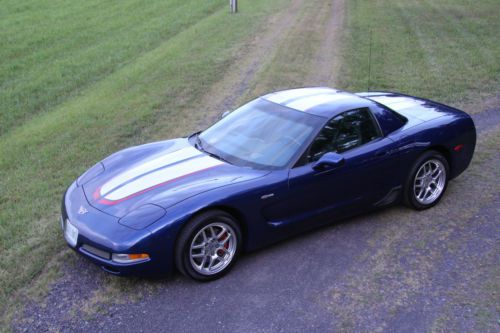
(245, 69)
(254, 57)
(327, 60)
(298, 61)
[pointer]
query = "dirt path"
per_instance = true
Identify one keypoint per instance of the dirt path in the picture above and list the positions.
(250, 59)
(327, 59)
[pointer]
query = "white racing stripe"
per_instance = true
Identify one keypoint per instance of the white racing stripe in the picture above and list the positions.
(387, 100)
(397, 103)
(307, 103)
(156, 163)
(162, 176)
(405, 105)
(283, 96)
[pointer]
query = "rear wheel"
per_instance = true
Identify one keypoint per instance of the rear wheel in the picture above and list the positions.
(427, 181)
(208, 246)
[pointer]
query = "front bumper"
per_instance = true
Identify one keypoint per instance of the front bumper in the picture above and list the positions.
(100, 235)
(102, 257)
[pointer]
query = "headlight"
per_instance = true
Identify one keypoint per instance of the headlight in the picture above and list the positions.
(90, 174)
(125, 258)
(142, 217)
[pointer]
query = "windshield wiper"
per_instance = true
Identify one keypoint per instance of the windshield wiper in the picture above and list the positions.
(199, 145)
(216, 156)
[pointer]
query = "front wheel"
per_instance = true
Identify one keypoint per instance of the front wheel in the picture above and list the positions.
(208, 246)
(427, 181)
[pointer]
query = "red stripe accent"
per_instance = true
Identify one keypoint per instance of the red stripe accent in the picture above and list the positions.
(114, 202)
(97, 194)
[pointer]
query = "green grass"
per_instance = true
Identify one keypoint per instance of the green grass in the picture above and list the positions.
(140, 61)
(53, 50)
(445, 49)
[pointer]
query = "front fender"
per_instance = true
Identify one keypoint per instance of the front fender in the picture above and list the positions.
(243, 198)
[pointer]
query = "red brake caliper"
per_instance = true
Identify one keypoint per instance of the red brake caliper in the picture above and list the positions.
(224, 236)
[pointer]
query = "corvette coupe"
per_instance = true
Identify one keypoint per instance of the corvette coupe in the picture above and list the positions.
(278, 165)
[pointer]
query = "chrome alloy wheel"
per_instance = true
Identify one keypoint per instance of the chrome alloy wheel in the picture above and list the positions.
(429, 182)
(213, 248)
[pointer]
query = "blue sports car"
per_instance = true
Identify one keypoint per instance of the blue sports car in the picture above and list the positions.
(283, 163)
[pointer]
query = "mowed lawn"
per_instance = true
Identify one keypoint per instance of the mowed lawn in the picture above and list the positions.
(52, 50)
(448, 50)
(80, 80)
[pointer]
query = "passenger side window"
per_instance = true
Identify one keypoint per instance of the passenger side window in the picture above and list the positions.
(346, 131)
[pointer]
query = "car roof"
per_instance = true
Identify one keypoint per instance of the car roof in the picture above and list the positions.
(320, 101)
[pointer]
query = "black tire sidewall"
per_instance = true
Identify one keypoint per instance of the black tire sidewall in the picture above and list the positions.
(185, 238)
(409, 194)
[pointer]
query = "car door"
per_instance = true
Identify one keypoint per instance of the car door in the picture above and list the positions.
(359, 181)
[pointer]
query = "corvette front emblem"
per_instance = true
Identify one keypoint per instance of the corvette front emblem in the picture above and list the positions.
(82, 210)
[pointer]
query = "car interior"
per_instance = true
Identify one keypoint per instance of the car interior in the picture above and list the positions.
(346, 131)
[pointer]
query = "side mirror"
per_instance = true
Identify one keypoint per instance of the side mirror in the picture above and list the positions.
(328, 161)
(225, 113)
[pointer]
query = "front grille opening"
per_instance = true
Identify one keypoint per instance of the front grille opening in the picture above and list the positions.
(96, 251)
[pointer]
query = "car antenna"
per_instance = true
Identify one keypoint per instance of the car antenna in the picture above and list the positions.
(370, 61)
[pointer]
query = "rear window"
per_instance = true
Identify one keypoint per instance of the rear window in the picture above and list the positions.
(389, 120)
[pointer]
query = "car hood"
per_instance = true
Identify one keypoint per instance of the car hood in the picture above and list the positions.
(162, 173)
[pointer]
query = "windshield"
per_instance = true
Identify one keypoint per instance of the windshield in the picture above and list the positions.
(260, 134)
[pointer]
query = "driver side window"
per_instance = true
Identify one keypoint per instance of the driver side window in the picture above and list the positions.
(346, 131)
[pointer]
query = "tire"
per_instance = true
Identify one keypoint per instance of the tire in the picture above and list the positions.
(432, 170)
(208, 246)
